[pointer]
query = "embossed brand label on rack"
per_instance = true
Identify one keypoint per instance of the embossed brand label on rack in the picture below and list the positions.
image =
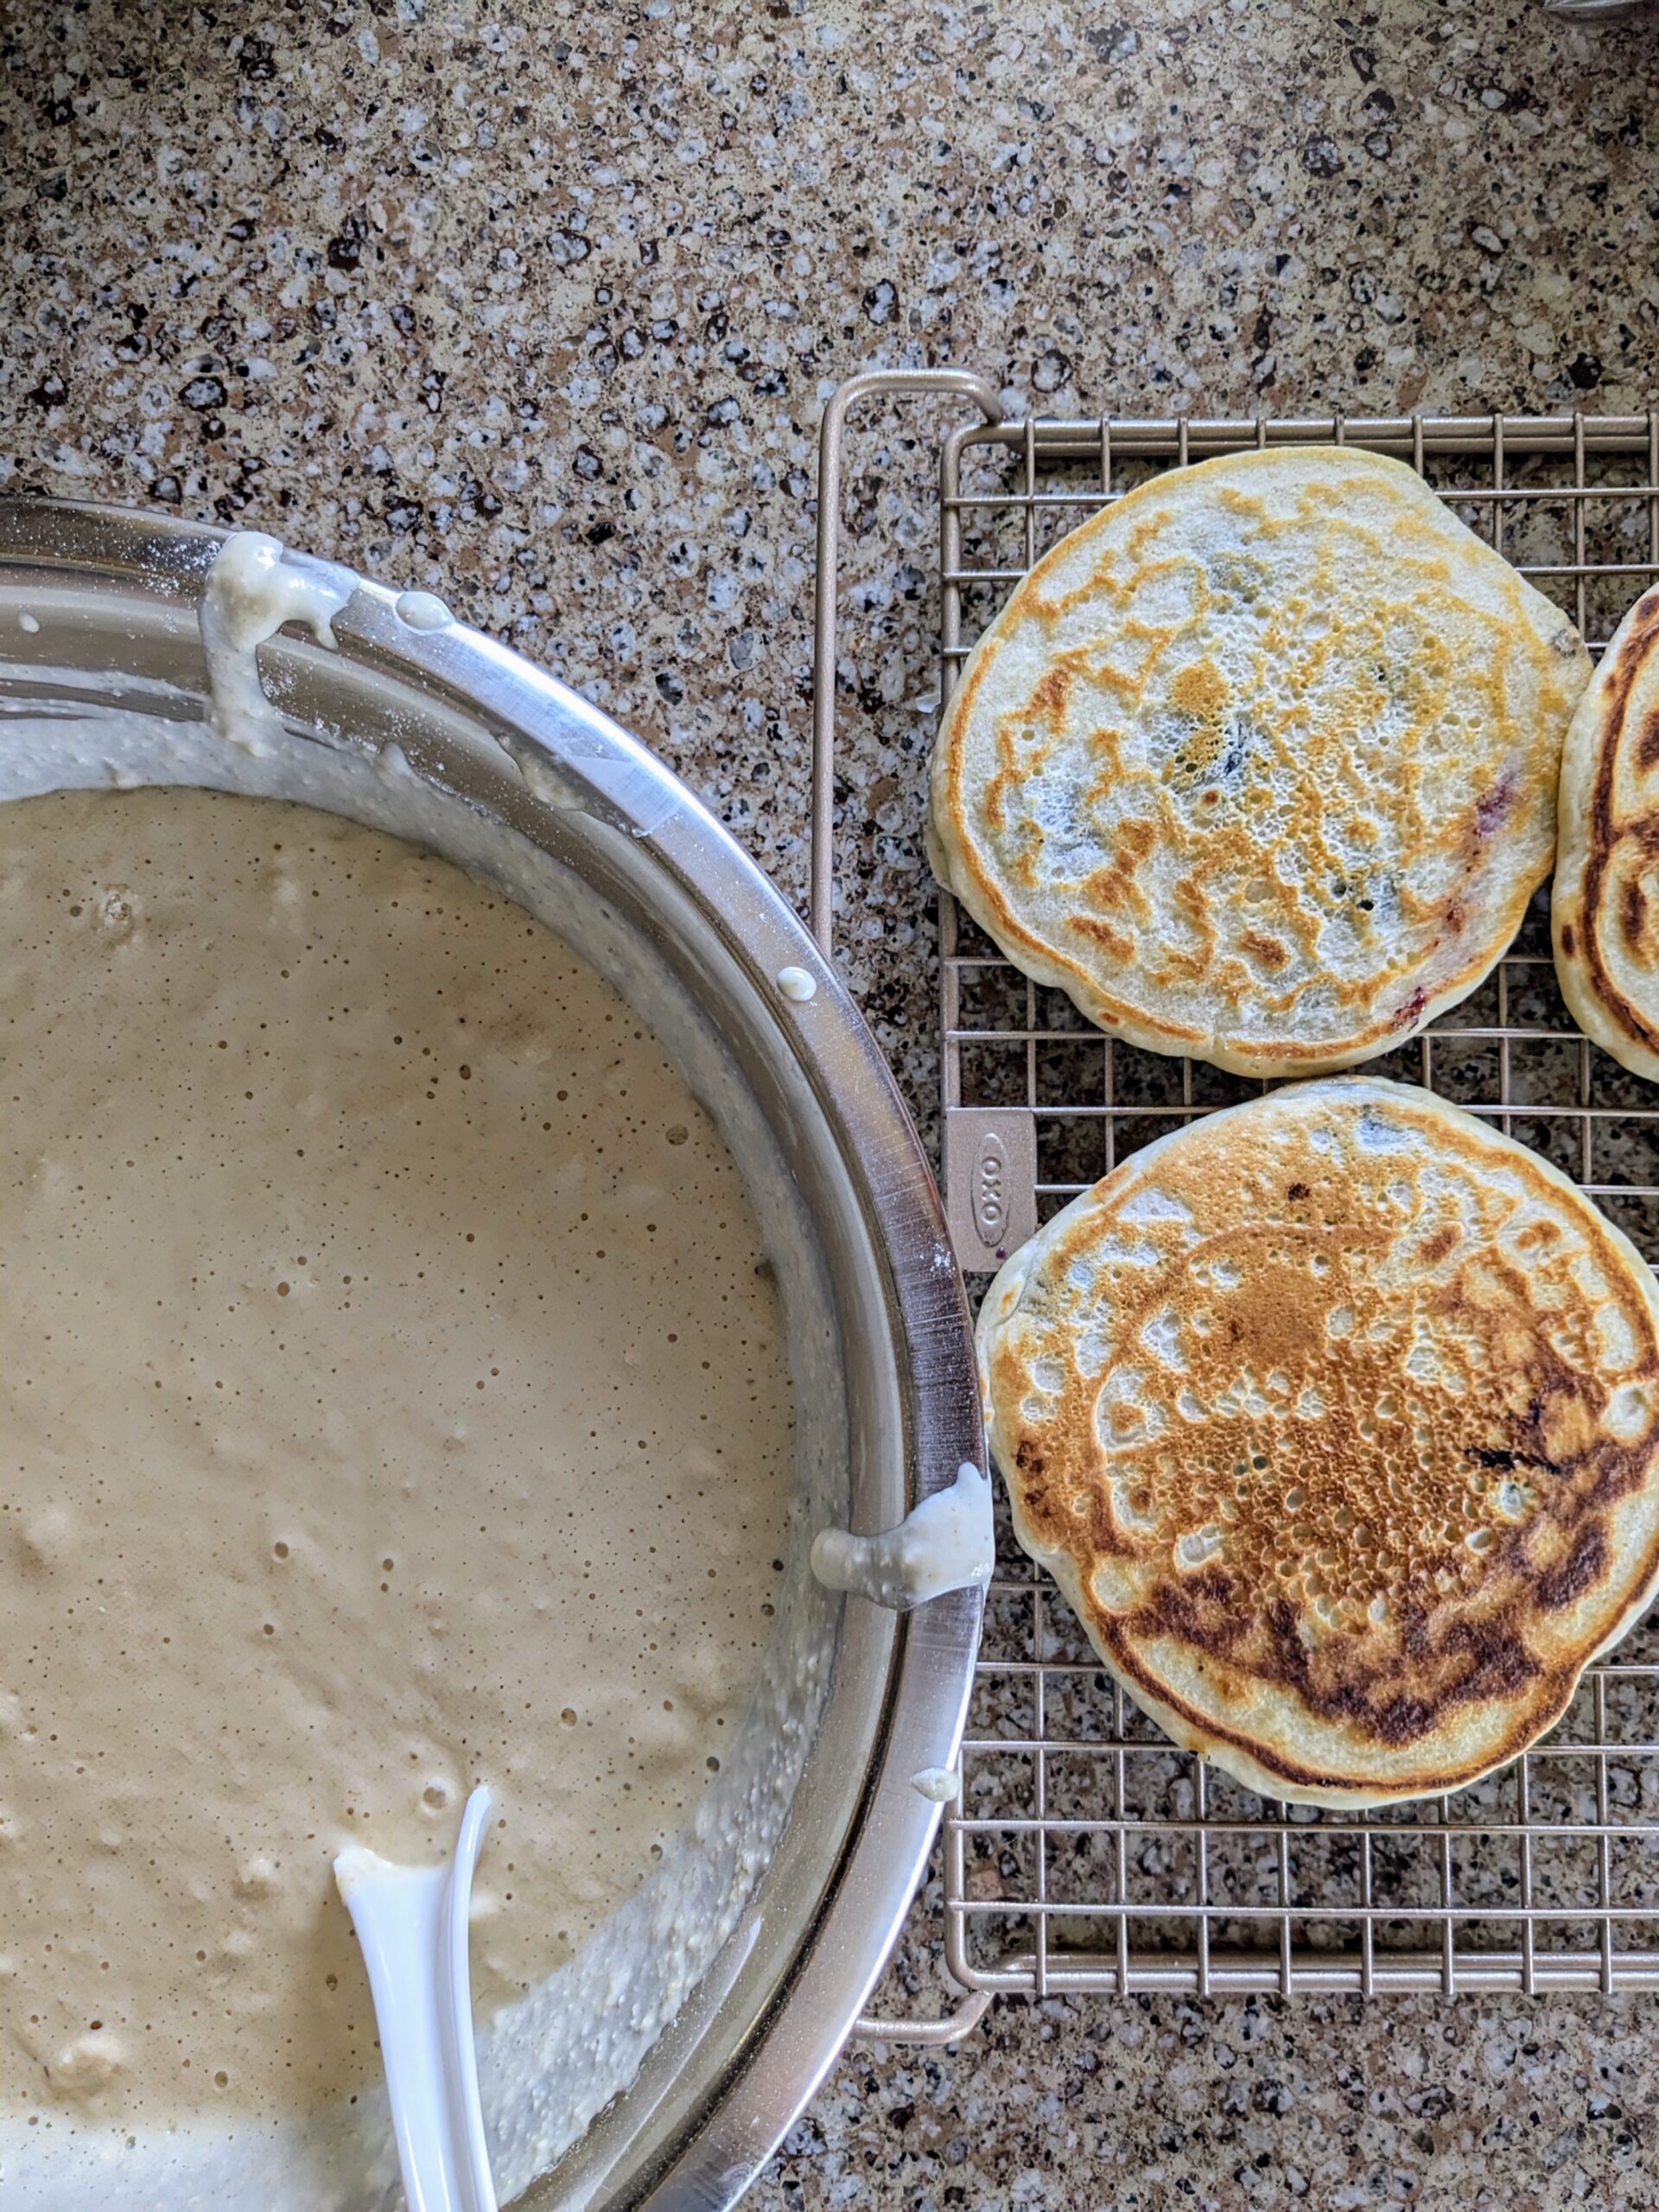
(990, 1167)
(990, 1193)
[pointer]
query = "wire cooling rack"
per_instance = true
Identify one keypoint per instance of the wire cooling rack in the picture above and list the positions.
(1085, 1853)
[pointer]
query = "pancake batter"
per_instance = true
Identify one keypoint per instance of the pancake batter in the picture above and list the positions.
(393, 1397)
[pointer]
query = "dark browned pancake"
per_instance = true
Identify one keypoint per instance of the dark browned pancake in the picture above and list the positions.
(1335, 1416)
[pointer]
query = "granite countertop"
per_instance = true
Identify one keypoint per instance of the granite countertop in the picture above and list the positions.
(538, 306)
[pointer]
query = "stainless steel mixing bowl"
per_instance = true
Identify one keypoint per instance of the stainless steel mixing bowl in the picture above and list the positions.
(99, 605)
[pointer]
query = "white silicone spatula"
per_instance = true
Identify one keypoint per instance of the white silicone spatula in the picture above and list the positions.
(411, 1923)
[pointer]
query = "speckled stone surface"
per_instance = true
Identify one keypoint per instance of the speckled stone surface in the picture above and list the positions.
(538, 306)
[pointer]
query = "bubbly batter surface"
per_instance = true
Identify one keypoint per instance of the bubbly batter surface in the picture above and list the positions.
(393, 1396)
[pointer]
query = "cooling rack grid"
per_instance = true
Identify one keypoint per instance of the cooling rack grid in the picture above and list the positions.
(1085, 1853)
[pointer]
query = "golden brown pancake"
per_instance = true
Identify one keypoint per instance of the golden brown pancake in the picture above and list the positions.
(1604, 905)
(1259, 764)
(1336, 1417)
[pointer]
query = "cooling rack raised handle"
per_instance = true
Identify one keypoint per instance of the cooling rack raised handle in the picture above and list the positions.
(873, 383)
(955, 2027)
